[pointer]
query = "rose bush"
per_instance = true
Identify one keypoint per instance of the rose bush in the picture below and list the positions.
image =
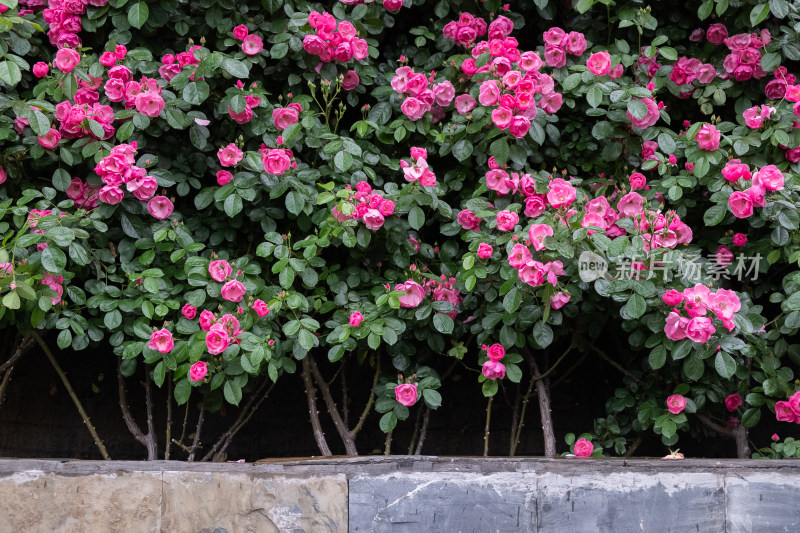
(223, 192)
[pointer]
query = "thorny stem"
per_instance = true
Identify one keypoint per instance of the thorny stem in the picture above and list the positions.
(371, 400)
(72, 395)
(387, 448)
(133, 427)
(4, 384)
(516, 434)
(21, 350)
(344, 432)
(514, 419)
(425, 419)
(486, 429)
(152, 444)
(629, 452)
(544, 408)
(198, 429)
(311, 397)
(168, 437)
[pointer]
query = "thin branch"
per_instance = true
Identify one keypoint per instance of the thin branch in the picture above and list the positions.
(133, 427)
(616, 365)
(152, 444)
(416, 430)
(371, 400)
(514, 420)
(72, 395)
(518, 433)
(22, 349)
(544, 408)
(722, 430)
(486, 429)
(4, 384)
(311, 397)
(561, 358)
(344, 433)
(425, 419)
(242, 423)
(630, 451)
(387, 447)
(168, 437)
(198, 429)
(345, 410)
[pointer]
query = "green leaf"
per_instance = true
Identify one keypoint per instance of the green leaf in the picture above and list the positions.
(499, 149)
(751, 417)
(159, 373)
(511, 300)
(462, 149)
(343, 161)
(183, 389)
(513, 373)
(295, 202)
(232, 392)
(571, 81)
(725, 365)
(658, 356)
(306, 339)
(582, 6)
(40, 124)
(432, 398)
(714, 215)
(595, 96)
(113, 319)
(10, 73)
(637, 108)
(542, 334)
(64, 339)
(443, 323)
(53, 259)
(758, 14)
(693, 367)
(636, 306)
(388, 422)
(416, 218)
(235, 68)
(489, 387)
(137, 14)
(779, 8)
(704, 11)
(11, 300)
(196, 92)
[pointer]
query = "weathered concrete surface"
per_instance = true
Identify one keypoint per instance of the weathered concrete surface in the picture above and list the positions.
(403, 495)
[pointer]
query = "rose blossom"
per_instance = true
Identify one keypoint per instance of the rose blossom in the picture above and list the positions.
(276, 161)
(252, 45)
(583, 448)
(373, 219)
(733, 402)
(40, 69)
(406, 394)
(149, 103)
(189, 311)
(284, 117)
(785, 413)
(559, 300)
(484, 251)
(537, 234)
(198, 371)
(260, 307)
(741, 204)
(740, 239)
(217, 339)
(350, 80)
(219, 270)
(637, 180)
(676, 403)
(160, 207)
(414, 293)
(708, 137)
(493, 370)
(229, 155)
(495, 352)
(599, 63)
(206, 320)
(672, 297)
(223, 177)
(506, 220)
(233, 291)
(464, 103)
(50, 139)
(161, 340)
(240, 32)
(560, 193)
(700, 329)
(67, 59)
(356, 318)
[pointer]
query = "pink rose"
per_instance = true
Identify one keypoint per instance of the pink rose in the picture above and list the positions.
(284, 117)
(189, 311)
(143, 188)
(649, 119)
(464, 103)
(414, 293)
(708, 137)
(700, 329)
(575, 43)
(493, 370)
(502, 116)
(252, 45)
(111, 194)
(560, 193)
(229, 155)
(675, 326)
(198, 371)
(233, 291)
(468, 220)
(520, 125)
(672, 297)
(240, 32)
(50, 139)
(559, 300)
(161, 340)
(724, 303)
(717, 33)
(734, 170)
(733, 402)
(260, 307)
(741, 204)
(599, 63)
(4, 176)
(67, 59)
(537, 234)
(495, 352)
(534, 206)
(245, 116)
(406, 394)
(217, 339)
(160, 207)
(223, 177)
(740, 239)
(356, 318)
(206, 320)
(506, 220)
(350, 80)
(149, 103)
(769, 177)
(785, 413)
(583, 448)
(484, 251)
(276, 161)
(676, 403)
(373, 219)
(40, 69)
(220, 270)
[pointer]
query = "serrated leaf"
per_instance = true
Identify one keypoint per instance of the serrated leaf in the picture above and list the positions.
(137, 14)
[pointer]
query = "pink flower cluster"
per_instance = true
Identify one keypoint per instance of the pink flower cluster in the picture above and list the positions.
(55, 283)
(686, 70)
(744, 61)
(789, 411)
(246, 114)
(413, 295)
(768, 178)
(755, 116)
(468, 220)
(221, 332)
(221, 271)
(443, 290)
(417, 169)
(161, 340)
(84, 195)
(64, 20)
(172, 64)
(74, 120)
(465, 30)
(368, 206)
(251, 44)
(780, 86)
(144, 95)
(390, 5)
(493, 368)
(118, 168)
(697, 301)
(331, 42)
(558, 43)
(421, 93)
(649, 64)
(533, 272)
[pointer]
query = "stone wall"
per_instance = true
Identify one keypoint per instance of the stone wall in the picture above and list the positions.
(401, 495)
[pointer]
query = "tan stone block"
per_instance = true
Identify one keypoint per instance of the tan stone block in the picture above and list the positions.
(254, 503)
(125, 502)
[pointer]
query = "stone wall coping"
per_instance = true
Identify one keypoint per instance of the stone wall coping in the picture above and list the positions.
(378, 465)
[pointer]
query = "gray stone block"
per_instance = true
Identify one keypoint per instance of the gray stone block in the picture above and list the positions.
(443, 503)
(763, 502)
(631, 501)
